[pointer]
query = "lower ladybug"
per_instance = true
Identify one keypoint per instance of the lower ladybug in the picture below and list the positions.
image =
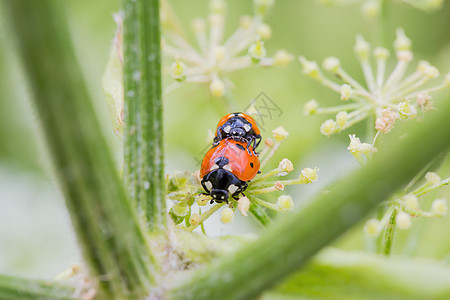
(226, 168)
(240, 127)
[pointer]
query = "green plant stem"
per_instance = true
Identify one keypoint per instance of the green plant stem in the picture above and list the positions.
(389, 234)
(143, 142)
(15, 288)
(260, 214)
(336, 274)
(112, 242)
(289, 244)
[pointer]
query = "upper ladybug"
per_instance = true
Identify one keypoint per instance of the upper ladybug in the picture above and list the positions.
(240, 127)
(226, 168)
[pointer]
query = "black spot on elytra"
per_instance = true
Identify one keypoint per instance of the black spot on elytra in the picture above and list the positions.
(240, 146)
(251, 165)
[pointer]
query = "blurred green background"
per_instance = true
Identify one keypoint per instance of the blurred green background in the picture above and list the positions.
(36, 238)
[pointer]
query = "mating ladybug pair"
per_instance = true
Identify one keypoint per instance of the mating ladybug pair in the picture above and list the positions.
(233, 160)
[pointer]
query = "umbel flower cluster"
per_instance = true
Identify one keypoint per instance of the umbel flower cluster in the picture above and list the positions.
(214, 56)
(406, 205)
(371, 9)
(208, 62)
(191, 208)
(384, 97)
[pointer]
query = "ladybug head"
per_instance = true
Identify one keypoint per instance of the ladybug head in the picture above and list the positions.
(237, 132)
(219, 195)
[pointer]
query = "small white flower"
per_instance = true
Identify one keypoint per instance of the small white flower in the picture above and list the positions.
(411, 201)
(403, 220)
(282, 58)
(217, 88)
(194, 220)
(309, 175)
(243, 205)
(227, 215)
(310, 107)
(328, 127)
(280, 133)
(372, 228)
(331, 64)
(432, 178)
(346, 92)
(341, 118)
(286, 165)
(285, 203)
(439, 207)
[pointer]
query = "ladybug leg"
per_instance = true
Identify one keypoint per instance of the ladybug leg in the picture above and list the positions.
(248, 146)
(255, 143)
(211, 202)
(218, 137)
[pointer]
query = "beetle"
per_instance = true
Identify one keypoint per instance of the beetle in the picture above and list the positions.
(226, 169)
(240, 127)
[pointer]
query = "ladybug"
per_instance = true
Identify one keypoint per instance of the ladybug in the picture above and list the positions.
(226, 168)
(240, 127)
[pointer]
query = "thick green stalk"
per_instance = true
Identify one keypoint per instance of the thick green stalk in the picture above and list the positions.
(143, 148)
(14, 288)
(112, 242)
(336, 274)
(288, 245)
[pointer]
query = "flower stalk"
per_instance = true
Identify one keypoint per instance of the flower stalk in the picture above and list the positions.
(112, 242)
(143, 141)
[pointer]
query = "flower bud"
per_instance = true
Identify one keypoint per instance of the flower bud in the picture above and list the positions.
(371, 8)
(264, 31)
(310, 68)
(257, 51)
(202, 199)
(328, 127)
(403, 220)
(217, 6)
(310, 107)
(341, 118)
(372, 228)
(227, 215)
(279, 133)
(331, 64)
(195, 219)
(362, 48)
(217, 88)
(406, 110)
(402, 42)
(309, 175)
(447, 80)
(432, 178)
(279, 186)
(411, 201)
(262, 6)
(269, 143)
(439, 207)
(282, 58)
(243, 205)
(219, 53)
(285, 203)
(346, 92)
(286, 165)
(431, 71)
(178, 70)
